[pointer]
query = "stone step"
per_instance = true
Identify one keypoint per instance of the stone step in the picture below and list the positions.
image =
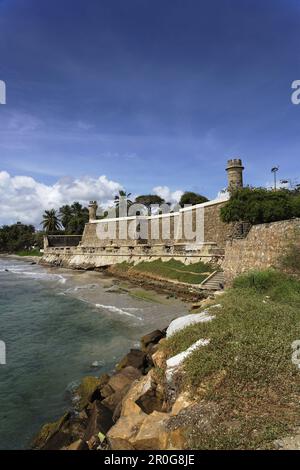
(213, 283)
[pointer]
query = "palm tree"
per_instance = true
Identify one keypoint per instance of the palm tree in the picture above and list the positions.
(51, 222)
(65, 214)
(121, 199)
(80, 216)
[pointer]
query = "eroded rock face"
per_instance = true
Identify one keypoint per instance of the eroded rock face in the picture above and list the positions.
(125, 411)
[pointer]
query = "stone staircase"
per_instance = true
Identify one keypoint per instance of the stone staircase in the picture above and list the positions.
(214, 282)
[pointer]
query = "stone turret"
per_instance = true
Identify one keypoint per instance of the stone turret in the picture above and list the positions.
(235, 173)
(93, 206)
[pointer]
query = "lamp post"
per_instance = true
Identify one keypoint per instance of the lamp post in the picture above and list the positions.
(274, 171)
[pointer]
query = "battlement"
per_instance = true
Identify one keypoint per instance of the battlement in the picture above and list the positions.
(234, 162)
(235, 173)
(93, 206)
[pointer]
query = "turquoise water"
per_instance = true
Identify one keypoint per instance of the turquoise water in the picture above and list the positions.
(53, 334)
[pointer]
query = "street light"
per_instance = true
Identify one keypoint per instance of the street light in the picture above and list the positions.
(274, 171)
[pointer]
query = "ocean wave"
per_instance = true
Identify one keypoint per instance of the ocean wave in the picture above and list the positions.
(34, 274)
(114, 309)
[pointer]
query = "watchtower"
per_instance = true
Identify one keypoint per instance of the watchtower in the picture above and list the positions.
(93, 206)
(235, 174)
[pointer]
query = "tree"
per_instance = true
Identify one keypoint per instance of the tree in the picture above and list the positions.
(149, 199)
(192, 198)
(80, 216)
(259, 205)
(120, 199)
(65, 214)
(74, 218)
(122, 195)
(51, 222)
(17, 237)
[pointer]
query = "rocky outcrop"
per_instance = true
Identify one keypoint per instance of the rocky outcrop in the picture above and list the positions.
(140, 406)
(99, 403)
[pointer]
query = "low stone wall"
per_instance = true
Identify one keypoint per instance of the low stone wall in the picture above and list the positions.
(82, 257)
(62, 240)
(263, 247)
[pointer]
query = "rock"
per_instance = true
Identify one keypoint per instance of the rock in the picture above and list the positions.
(48, 431)
(122, 435)
(182, 322)
(86, 390)
(106, 391)
(174, 362)
(129, 405)
(115, 398)
(135, 358)
(182, 402)
(97, 394)
(159, 359)
(125, 377)
(71, 430)
(151, 401)
(100, 420)
(153, 337)
(93, 443)
(152, 434)
(78, 445)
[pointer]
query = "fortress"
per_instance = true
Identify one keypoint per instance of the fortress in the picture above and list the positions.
(192, 234)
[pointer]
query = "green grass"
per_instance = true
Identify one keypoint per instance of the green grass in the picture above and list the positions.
(174, 270)
(29, 253)
(258, 399)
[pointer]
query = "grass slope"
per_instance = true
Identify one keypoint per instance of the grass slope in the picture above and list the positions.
(174, 270)
(246, 372)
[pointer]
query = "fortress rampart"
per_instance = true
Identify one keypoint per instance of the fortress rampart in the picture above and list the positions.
(191, 234)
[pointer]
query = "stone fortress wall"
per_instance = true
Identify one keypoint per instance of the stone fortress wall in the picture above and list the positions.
(194, 234)
(264, 247)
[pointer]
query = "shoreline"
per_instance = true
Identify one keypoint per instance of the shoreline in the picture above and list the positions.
(28, 259)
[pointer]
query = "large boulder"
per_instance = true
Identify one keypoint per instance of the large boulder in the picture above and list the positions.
(87, 390)
(119, 383)
(125, 377)
(154, 337)
(48, 431)
(100, 420)
(143, 397)
(135, 358)
(152, 434)
(113, 401)
(122, 435)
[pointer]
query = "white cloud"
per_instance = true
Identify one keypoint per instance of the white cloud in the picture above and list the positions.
(168, 195)
(24, 199)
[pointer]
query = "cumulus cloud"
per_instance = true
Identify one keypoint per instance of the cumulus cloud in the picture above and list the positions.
(24, 199)
(169, 196)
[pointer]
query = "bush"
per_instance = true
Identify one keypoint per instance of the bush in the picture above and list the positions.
(259, 206)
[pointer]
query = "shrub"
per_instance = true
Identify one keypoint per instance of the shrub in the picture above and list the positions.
(259, 206)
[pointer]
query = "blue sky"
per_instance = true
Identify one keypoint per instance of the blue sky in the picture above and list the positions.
(149, 93)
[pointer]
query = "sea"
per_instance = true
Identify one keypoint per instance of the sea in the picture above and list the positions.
(57, 327)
